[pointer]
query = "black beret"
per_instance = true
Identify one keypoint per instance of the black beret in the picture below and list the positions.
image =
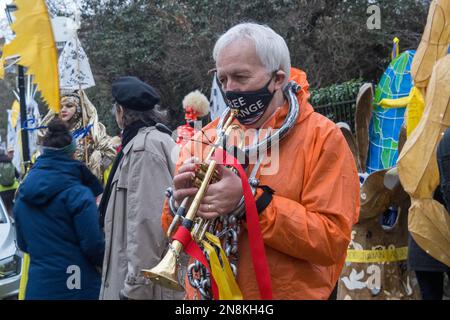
(132, 93)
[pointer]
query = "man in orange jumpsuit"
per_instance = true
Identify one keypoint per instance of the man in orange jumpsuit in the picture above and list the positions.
(306, 227)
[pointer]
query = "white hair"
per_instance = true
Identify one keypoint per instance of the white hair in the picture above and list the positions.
(270, 47)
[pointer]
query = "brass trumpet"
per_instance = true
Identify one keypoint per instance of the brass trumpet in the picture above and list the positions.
(165, 272)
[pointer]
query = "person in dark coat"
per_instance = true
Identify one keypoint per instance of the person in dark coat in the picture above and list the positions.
(443, 159)
(57, 222)
(134, 195)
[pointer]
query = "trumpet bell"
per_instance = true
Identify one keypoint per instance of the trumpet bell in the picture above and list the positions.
(164, 273)
(164, 280)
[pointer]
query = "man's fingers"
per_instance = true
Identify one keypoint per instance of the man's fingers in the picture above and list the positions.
(179, 195)
(191, 160)
(220, 168)
(183, 180)
(207, 215)
(207, 207)
(209, 198)
(190, 167)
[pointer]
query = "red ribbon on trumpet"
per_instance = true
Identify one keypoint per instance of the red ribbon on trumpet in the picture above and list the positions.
(254, 230)
(193, 250)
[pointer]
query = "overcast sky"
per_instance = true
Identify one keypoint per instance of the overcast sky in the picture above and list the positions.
(2, 7)
(3, 21)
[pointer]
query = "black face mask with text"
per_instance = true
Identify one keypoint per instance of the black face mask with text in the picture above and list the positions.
(250, 104)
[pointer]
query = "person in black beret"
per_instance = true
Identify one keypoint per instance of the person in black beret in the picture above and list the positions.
(131, 206)
(132, 93)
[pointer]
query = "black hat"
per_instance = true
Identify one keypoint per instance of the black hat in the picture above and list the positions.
(132, 93)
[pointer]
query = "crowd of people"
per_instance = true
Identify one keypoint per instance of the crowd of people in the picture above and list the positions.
(91, 218)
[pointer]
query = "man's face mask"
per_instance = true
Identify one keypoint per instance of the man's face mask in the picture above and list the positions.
(251, 104)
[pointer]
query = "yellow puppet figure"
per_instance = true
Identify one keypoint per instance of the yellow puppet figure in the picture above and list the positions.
(429, 222)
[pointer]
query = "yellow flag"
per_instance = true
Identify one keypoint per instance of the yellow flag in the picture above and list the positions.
(15, 113)
(35, 44)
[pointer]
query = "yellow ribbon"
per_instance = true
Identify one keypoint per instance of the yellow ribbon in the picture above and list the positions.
(223, 275)
(24, 276)
(377, 256)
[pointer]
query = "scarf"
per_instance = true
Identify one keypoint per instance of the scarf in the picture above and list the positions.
(128, 134)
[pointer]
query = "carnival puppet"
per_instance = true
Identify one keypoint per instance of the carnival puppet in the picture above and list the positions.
(195, 105)
(94, 146)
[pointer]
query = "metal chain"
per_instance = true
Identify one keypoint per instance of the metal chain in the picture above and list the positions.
(227, 229)
(200, 280)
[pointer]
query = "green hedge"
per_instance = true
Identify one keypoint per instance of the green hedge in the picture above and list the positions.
(335, 93)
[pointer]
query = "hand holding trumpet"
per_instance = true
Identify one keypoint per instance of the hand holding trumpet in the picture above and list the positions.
(221, 197)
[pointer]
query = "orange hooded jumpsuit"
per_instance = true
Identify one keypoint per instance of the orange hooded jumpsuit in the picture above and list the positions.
(307, 226)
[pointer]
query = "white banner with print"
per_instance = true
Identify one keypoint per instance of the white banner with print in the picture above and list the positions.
(74, 69)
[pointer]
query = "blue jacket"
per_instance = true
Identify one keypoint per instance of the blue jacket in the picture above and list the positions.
(57, 224)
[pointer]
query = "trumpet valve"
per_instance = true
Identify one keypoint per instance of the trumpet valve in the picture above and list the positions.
(200, 175)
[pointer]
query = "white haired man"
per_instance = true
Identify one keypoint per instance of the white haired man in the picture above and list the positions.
(306, 220)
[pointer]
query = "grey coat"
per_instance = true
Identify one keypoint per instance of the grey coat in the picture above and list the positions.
(134, 239)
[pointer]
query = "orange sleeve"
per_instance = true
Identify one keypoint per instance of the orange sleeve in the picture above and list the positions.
(166, 218)
(318, 228)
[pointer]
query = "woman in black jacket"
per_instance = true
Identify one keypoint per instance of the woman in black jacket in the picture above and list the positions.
(57, 222)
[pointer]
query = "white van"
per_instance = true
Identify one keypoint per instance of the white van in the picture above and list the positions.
(10, 257)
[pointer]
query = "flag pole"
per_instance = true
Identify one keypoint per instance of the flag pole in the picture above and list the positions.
(22, 100)
(23, 119)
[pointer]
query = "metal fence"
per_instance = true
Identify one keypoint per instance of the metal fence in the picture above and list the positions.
(343, 111)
